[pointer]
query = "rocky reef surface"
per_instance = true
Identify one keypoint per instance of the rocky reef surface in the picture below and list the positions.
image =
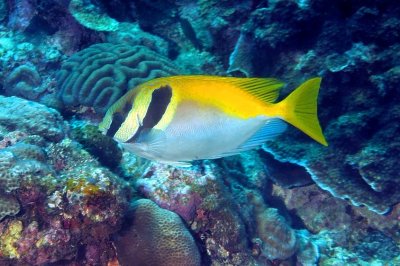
(70, 196)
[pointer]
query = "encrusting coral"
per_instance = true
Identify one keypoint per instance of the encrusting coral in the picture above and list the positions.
(9, 205)
(103, 148)
(91, 16)
(156, 237)
(31, 117)
(55, 198)
(99, 75)
(277, 240)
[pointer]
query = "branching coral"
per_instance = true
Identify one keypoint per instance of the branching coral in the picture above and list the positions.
(97, 76)
(156, 237)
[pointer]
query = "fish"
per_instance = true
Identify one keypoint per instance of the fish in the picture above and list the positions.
(179, 119)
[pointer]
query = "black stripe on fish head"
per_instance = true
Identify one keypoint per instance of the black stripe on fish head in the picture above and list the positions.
(118, 118)
(160, 99)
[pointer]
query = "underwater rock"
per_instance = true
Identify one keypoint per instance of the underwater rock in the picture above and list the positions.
(3, 9)
(198, 195)
(318, 210)
(175, 189)
(99, 75)
(91, 16)
(30, 117)
(155, 236)
(277, 239)
(56, 202)
(131, 34)
(9, 205)
(376, 244)
(22, 12)
(98, 145)
(65, 211)
(308, 252)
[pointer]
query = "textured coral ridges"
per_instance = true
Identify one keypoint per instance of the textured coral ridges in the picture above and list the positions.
(156, 237)
(97, 76)
(23, 81)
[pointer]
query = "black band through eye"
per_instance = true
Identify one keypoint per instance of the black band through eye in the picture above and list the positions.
(118, 118)
(160, 99)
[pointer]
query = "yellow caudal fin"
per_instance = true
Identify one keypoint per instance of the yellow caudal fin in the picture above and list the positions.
(301, 109)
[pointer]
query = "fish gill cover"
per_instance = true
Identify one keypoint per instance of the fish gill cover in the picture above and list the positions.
(65, 199)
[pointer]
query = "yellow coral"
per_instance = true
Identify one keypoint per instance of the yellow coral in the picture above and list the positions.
(82, 186)
(9, 238)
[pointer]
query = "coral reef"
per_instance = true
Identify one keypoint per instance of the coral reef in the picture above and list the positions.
(56, 202)
(24, 81)
(63, 190)
(198, 196)
(99, 146)
(352, 71)
(156, 237)
(175, 189)
(9, 205)
(31, 117)
(22, 13)
(278, 240)
(91, 16)
(97, 76)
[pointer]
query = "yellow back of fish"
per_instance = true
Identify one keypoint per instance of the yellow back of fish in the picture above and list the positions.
(239, 97)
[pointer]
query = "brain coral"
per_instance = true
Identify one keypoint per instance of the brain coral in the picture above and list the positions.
(24, 81)
(98, 75)
(156, 237)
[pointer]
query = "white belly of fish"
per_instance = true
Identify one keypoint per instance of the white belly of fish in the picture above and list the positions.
(199, 133)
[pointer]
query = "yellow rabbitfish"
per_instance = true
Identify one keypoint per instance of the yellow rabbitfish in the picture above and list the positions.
(179, 119)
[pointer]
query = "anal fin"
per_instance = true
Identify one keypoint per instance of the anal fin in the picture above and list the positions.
(271, 129)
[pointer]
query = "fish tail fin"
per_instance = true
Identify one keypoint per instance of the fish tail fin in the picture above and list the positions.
(301, 109)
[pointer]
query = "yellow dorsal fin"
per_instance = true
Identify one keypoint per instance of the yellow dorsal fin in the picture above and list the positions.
(265, 89)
